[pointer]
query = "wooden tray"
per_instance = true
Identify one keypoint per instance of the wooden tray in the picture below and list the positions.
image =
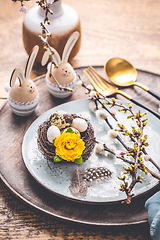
(15, 175)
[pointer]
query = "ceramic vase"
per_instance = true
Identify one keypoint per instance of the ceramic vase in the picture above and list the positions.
(63, 23)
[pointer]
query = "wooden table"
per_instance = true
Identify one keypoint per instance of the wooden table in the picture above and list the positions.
(109, 28)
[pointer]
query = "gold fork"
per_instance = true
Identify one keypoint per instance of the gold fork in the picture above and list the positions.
(106, 89)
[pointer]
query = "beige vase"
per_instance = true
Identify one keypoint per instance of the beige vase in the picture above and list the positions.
(63, 23)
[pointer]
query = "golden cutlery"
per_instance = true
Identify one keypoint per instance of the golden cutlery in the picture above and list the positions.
(106, 89)
(122, 73)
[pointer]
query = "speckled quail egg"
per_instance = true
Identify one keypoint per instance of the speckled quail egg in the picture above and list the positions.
(61, 119)
(52, 133)
(80, 124)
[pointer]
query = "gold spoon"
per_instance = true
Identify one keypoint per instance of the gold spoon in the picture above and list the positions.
(122, 73)
(106, 89)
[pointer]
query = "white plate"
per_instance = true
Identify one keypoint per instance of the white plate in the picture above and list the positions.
(56, 177)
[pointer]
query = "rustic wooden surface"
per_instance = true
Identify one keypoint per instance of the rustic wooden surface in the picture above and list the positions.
(109, 28)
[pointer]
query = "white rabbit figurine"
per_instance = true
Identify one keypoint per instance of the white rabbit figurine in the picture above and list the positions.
(23, 93)
(64, 74)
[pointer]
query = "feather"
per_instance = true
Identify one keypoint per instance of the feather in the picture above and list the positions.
(80, 180)
(78, 185)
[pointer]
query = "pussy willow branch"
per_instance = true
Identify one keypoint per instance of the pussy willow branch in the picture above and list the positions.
(98, 99)
(133, 171)
(118, 137)
(129, 161)
(113, 103)
(131, 136)
(139, 144)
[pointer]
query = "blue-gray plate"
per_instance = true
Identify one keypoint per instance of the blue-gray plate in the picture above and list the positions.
(56, 177)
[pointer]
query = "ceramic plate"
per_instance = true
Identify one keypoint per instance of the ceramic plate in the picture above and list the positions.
(56, 177)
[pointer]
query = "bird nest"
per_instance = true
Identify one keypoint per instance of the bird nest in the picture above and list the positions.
(48, 149)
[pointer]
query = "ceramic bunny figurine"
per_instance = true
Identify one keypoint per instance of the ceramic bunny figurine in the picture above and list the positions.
(23, 93)
(64, 74)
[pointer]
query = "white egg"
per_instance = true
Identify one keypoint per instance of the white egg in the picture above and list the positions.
(52, 133)
(80, 124)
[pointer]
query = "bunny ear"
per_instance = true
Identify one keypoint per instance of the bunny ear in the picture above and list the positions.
(69, 46)
(45, 58)
(56, 57)
(30, 61)
(17, 73)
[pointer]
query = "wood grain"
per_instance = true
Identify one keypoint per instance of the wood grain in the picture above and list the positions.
(18, 221)
(109, 28)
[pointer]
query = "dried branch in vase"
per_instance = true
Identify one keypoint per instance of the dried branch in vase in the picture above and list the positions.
(45, 5)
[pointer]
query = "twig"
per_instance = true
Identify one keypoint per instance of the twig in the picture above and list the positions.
(139, 143)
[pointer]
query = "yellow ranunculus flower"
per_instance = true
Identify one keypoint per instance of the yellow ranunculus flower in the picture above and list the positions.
(69, 146)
